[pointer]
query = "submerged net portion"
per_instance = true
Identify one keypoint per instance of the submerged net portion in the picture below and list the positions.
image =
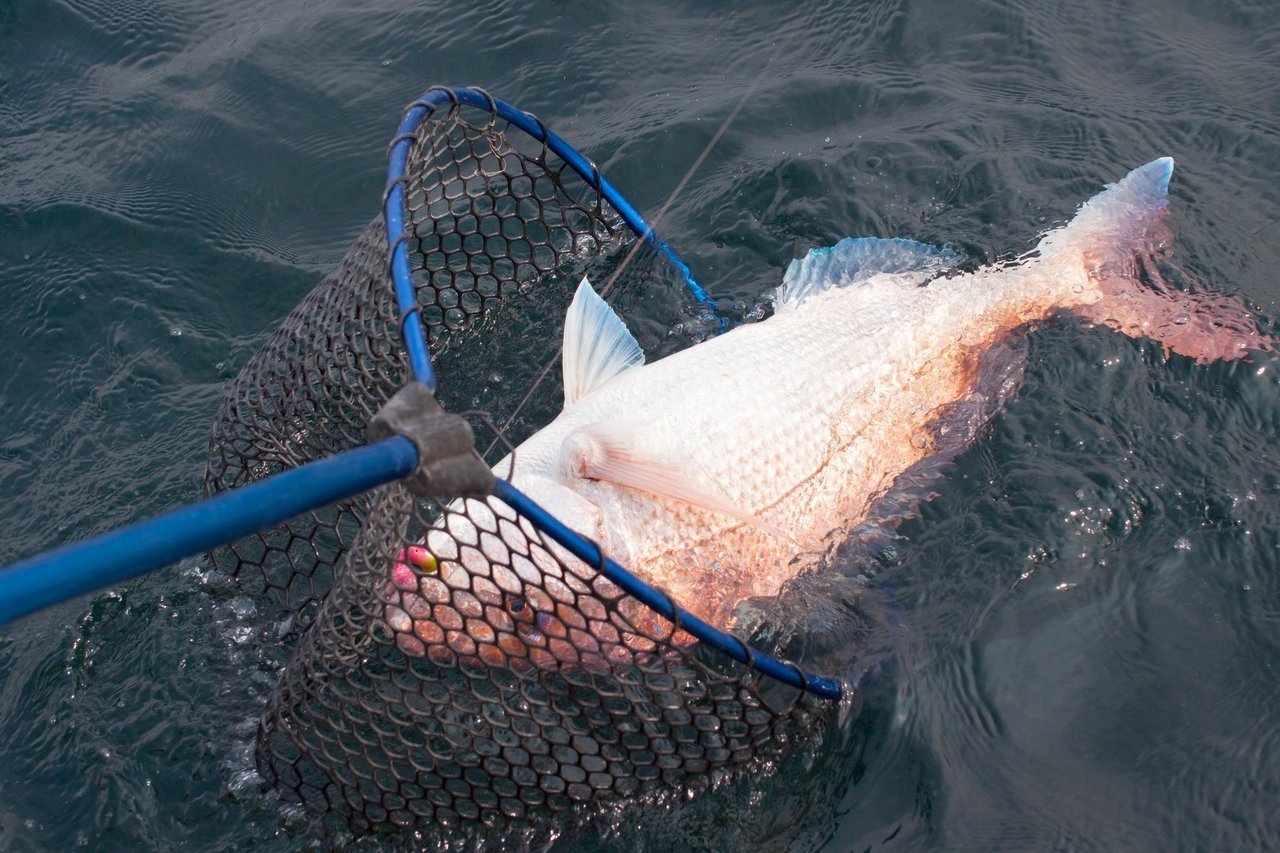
(447, 664)
(488, 678)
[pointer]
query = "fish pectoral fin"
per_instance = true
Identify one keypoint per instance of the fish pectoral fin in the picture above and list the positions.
(607, 452)
(856, 259)
(597, 345)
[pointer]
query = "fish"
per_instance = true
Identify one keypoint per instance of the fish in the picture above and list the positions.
(720, 472)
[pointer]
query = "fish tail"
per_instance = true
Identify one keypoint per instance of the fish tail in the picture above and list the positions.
(1123, 219)
(1117, 236)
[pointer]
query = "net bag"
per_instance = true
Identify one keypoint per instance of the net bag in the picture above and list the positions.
(455, 662)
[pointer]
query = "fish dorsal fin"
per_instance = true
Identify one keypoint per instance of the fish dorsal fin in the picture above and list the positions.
(615, 452)
(856, 259)
(597, 345)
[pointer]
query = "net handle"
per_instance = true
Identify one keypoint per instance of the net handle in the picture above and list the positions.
(393, 204)
(127, 552)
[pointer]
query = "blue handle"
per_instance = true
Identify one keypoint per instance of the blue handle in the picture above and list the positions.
(77, 569)
(131, 551)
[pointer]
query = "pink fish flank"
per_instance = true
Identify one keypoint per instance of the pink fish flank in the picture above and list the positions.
(722, 471)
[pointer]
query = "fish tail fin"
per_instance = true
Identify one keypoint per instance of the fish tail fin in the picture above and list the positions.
(1116, 237)
(1122, 219)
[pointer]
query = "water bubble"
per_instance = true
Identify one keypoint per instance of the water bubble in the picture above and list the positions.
(243, 607)
(245, 728)
(1182, 544)
(243, 782)
(1181, 320)
(175, 331)
(293, 817)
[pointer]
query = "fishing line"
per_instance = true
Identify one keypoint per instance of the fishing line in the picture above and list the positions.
(653, 229)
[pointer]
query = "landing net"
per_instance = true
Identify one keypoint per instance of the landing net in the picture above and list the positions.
(448, 661)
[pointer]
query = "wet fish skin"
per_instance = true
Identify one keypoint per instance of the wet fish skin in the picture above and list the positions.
(718, 472)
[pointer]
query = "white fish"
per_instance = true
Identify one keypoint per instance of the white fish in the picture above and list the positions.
(709, 471)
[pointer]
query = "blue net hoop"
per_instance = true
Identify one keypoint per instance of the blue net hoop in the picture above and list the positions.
(447, 661)
(398, 237)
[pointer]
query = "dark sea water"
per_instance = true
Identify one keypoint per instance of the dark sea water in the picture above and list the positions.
(1092, 600)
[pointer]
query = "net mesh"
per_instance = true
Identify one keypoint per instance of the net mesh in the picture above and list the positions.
(446, 664)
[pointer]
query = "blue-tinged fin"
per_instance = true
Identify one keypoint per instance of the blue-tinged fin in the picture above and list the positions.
(597, 345)
(856, 259)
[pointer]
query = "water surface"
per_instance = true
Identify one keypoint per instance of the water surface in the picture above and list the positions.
(1092, 599)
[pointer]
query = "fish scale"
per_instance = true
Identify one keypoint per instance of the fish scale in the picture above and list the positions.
(723, 470)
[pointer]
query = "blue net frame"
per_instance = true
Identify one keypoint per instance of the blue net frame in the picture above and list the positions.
(398, 237)
(445, 661)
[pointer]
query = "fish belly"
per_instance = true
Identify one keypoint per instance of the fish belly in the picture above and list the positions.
(803, 420)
